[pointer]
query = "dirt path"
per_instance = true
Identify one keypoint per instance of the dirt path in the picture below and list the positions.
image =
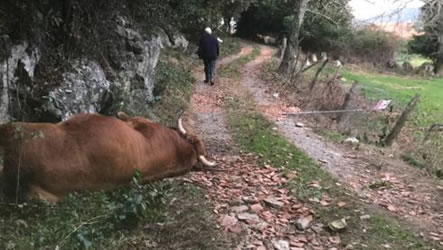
(249, 201)
(410, 195)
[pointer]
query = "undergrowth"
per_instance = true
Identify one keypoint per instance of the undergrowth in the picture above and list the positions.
(255, 134)
(94, 221)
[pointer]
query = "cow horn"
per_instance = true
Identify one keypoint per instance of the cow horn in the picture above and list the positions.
(180, 126)
(206, 162)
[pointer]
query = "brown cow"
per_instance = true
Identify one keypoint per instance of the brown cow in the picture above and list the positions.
(91, 152)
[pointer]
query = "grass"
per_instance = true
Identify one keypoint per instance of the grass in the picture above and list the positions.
(230, 46)
(415, 59)
(233, 70)
(401, 89)
(429, 111)
(253, 133)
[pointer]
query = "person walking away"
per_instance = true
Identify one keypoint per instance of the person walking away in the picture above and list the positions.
(209, 51)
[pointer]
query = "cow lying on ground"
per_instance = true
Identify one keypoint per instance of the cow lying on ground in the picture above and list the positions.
(91, 152)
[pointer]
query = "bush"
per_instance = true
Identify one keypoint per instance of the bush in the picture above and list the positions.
(82, 221)
(371, 45)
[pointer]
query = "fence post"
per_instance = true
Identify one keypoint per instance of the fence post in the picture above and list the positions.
(346, 101)
(401, 121)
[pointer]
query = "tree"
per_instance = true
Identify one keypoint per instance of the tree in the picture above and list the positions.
(294, 35)
(431, 42)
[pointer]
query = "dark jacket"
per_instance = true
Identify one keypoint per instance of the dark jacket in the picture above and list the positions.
(208, 48)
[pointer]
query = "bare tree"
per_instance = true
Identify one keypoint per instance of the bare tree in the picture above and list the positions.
(432, 18)
(294, 37)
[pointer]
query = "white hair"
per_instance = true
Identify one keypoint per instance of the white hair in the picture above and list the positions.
(208, 30)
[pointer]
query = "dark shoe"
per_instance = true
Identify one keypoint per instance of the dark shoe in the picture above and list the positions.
(212, 83)
(205, 81)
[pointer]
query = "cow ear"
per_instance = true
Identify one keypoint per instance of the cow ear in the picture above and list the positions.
(141, 127)
(122, 116)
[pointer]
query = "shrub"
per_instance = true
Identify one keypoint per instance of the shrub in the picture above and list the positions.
(372, 45)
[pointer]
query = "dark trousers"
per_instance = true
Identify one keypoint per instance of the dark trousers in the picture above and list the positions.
(209, 69)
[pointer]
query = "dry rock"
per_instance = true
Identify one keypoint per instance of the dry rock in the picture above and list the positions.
(249, 218)
(239, 209)
(303, 222)
(273, 202)
(280, 245)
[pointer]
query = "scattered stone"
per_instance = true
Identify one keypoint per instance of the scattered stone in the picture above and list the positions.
(248, 218)
(315, 199)
(341, 204)
(300, 125)
(273, 202)
(228, 221)
(258, 243)
(260, 226)
(237, 228)
(236, 202)
(281, 245)
(249, 200)
(276, 95)
(365, 217)
(335, 239)
(392, 208)
(303, 223)
(21, 223)
(239, 209)
(338, 225)
(317, 228)
(352, 140)
(387, 246)
(261, 248)
(256, 208)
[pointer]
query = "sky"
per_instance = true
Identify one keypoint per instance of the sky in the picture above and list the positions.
(367, 9)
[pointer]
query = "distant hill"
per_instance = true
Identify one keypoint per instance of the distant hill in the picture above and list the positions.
(406, 15)
(402, 23)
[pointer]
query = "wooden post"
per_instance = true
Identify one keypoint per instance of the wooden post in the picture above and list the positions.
(401, 121)
(346, 101)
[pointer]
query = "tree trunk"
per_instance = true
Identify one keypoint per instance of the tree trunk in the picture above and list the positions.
(293, 40)
(438, 67)
(401, 121)
(439, 61)
(284, 45)
(4, 91)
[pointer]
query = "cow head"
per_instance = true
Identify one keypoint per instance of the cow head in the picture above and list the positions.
(142, 125)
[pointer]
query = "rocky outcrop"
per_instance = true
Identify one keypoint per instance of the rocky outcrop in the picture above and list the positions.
(18, 67)
(122, 79)
(83, 90)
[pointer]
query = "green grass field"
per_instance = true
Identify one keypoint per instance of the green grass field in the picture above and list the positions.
(401, 89)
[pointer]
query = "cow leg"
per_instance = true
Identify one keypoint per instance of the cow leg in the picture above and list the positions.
(36, 192)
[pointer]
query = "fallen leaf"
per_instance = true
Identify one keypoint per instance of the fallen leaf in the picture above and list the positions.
(335, 239)
(392, 208)
(341, 204)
